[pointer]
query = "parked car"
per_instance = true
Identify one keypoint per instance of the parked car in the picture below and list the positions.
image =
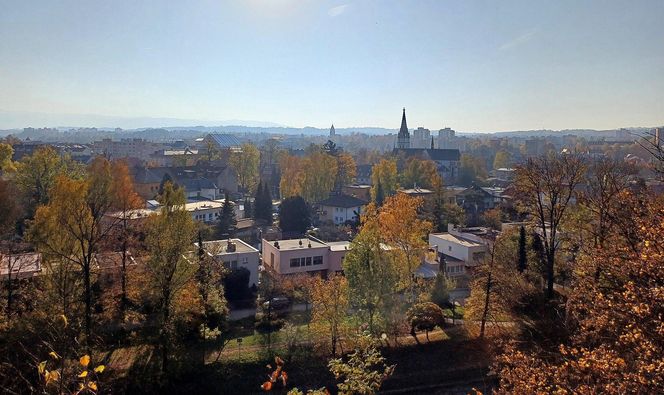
(277, 303)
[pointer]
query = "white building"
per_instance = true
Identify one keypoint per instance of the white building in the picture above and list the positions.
(341, 208)
(235, 254)
(458, 250)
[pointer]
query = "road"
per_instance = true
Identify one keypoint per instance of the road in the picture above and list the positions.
(236, 315)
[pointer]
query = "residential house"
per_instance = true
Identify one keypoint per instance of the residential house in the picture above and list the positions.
(459, 250)
(235, 254)
(20, 266)
(306, 255)
(362, 191)
(341, 208)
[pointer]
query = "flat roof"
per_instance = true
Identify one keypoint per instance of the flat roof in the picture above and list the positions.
(455, 239)
(220, 247)
(294, 244)
(339, 245)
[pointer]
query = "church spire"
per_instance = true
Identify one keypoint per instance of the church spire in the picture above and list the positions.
(432, 142)
(403, 138)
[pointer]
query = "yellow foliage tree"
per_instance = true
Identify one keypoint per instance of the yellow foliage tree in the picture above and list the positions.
(330, 309)
(384, 173)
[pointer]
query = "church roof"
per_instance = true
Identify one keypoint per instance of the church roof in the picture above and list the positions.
(403, 131)
(437, 154)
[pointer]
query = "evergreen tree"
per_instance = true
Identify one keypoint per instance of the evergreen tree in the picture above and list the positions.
(267, 204)
(247, 208)
(258, 202)
(380, 194)
(166, 178)
(523, 257)
(294, 216)
(227, 221)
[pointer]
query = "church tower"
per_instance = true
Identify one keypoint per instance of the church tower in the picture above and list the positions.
(332, 131)
(403, 138)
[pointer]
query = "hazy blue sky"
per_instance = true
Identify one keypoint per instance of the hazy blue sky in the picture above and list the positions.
(470, 65)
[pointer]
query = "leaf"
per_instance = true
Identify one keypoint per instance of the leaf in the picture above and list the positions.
(41, 367)
(53, 375)
(267, 386)
(64, 320)
(100, 368)
(84, 360)
(92, 385)
(83, 374)
(54, 355)
(278, 361)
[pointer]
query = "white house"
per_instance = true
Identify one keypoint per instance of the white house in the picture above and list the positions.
(235, 254)
(458, 250)
(341, 208)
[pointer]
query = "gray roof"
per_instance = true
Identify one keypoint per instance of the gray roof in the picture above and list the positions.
(345, 201)
(225, 140)
(436, 154)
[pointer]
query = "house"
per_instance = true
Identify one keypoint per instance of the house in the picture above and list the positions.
(341, 208)
(459, 249)
(20, 266)
(476, 200)
(363, 174)
(306, 255)
(223, 143)
(235, 254)
(146, 182)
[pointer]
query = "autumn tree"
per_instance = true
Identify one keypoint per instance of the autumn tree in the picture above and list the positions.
(320, 172)
(125, 200)
(502, 160)
(292, 167)
(616, 344)
(36, 175)
(420, 173)
(425, 316)
(6, 153)
(346, 170)
(523, 252)
(471, 170)
(72, 225)
(245, 163)
(545, 186)
(373, 274)
(169, 237)
(404, 231)
(330, 309)
(384, 173)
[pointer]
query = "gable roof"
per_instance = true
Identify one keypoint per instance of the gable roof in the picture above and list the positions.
(225, 140)
(345, 201)
(436, 154)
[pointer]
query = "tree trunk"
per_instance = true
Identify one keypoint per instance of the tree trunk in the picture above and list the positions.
(88, 305)
(485, 313)
(550, 260)
(414, 334)
(123, 279)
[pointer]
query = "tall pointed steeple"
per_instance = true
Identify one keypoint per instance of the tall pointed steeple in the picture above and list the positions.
(432, 142)
(403, 138)
(332, 131)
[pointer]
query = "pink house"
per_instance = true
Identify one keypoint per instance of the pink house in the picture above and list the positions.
(306, 255)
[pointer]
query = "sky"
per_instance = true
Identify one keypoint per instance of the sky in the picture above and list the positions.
(471, 65)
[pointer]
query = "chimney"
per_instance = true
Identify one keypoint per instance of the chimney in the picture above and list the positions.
(230, 247)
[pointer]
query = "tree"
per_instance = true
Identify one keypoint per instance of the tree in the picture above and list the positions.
(236, 284)
(169, 237)
(616, 344)
(472, 170)
(425, 317)
(420, 173)
(248, 211)
(9, 208)
(292, 167)
(373, 274)
(523, 253)
(294, 215)
(493, 218)
(266, 205)
(166, 178)
(330, 308)
(503, 159)
(6, 153)
(440, 291)
(545, 186)
(384, 173)
(402, 229)
(227, 221)
(364, 372)
(71, 226)
(379, 196)
(346, 170)
(320, 172)
(245, 164)
(125, 199)
(36, 174)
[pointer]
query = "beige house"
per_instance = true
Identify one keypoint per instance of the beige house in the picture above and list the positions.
(235, 254)
(341, 208)
(306, 255)
(459, 250)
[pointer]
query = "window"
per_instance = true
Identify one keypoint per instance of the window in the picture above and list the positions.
(478, 256)
(449, 248)
(245, 260)
(233, 265)
(318, 260)
(308, 261)
(272, 259)
(295, 262)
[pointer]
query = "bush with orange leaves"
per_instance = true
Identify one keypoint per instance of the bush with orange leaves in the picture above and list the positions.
(616, 320)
